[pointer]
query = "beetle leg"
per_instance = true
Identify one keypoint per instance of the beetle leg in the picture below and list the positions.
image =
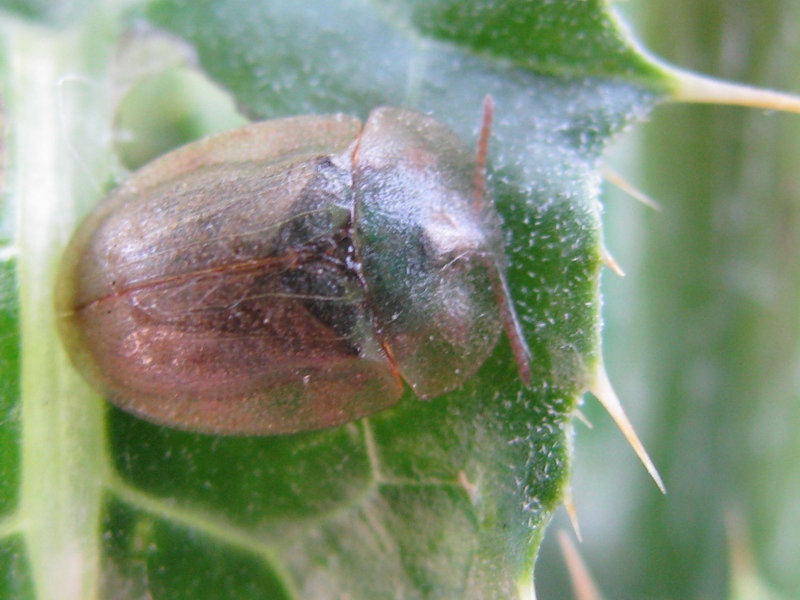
(393, 366)
(519, 346)
(522, 353)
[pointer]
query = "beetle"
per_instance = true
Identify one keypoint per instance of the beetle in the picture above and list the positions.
(291, 275)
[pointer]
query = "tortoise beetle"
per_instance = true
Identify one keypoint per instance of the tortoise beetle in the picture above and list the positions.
(291, 275)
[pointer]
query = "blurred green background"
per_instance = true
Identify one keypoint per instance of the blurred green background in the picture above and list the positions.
(701, 337)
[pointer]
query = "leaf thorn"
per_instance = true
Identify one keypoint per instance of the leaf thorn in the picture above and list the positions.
(691, 87)
(582, 583)
(614, 178)
(611, 262)
(583, 418)
(604, 392)
(572, 513)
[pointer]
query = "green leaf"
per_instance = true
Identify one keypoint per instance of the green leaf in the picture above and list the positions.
(440, 499)
(558, 38)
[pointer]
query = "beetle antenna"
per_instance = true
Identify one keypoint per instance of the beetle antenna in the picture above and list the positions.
(482, 152)
(522, 354)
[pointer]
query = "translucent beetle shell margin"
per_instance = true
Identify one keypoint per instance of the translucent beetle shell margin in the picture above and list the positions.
(290, 275)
